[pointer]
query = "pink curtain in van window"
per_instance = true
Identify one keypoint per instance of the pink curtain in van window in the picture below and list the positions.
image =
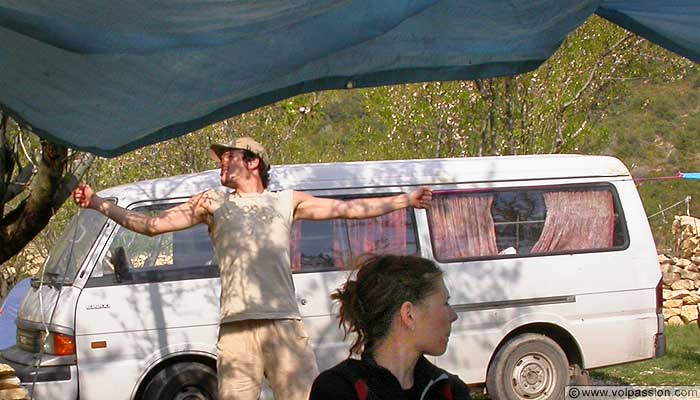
(352, 238)
(576, 221)
(295, 246)
(462, 226)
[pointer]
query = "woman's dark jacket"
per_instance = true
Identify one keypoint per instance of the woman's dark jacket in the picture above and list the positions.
(365, 380)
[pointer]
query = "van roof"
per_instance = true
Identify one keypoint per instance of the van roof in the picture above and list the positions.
(384, 173)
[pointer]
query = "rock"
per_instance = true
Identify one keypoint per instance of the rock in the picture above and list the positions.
(14, 394)
(677, 303)
(670, 312)
(670, 277)
(683, 284)
(687, 222)
(666, 294)
(687, 249)
(677, 294)
(9, 383)
(10, 388)
(691, 267)
(668, 268)
(692, 298)
(664, 259)
(675, 320)
(693, 276)
(689, 313)
(6, 370)
(697, 284)
(682, 262)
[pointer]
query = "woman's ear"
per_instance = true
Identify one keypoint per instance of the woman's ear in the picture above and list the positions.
(406, 312)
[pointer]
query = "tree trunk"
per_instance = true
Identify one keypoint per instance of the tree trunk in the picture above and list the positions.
(27, 220)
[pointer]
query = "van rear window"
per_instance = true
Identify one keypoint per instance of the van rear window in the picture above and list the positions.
(519, 222)
(338, 244)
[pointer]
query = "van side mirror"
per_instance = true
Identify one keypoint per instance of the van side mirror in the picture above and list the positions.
(120, 262)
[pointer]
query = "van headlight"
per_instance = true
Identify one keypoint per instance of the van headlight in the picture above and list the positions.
(58, 344)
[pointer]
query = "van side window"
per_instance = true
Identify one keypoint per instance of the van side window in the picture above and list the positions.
(337, 244)
(177, 255)
(503, 223)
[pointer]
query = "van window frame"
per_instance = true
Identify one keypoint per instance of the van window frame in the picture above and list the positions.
(155, 275)
(608, 185)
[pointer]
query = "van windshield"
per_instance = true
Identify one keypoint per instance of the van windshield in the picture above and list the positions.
(72, 247)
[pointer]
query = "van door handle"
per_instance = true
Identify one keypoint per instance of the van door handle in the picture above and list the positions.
(303, 302)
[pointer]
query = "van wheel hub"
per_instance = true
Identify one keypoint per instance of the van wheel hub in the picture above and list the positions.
(191, 393)
(533, 376)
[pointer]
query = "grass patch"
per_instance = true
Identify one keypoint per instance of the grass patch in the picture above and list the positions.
(680, 366)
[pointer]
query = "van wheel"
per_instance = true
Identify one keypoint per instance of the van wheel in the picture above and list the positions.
(183, 381)
(529, 366)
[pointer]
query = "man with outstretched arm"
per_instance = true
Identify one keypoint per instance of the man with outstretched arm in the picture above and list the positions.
(261, 333)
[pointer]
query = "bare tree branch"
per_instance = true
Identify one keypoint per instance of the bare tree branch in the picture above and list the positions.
(593, 71)
(23, 223)
(559, 145)
(70, 180)
(3, 171)
(510, 94)
(19, 184)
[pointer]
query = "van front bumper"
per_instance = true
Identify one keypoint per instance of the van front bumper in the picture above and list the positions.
(47, 383)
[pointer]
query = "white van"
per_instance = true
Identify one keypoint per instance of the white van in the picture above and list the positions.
(549, 260)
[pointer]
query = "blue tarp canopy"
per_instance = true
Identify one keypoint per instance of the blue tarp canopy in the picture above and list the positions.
(111, 76)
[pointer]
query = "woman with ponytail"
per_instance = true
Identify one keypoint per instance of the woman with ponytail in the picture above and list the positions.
(397, 308)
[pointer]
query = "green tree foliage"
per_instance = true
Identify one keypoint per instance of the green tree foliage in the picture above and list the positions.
(550, 110)
(654, 130)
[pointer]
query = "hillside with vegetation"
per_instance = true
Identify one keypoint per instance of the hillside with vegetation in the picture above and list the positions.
(655, 130)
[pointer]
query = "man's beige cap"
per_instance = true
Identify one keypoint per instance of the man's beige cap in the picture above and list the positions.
(242, 143)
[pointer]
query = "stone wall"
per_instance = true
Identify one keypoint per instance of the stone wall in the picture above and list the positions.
(9, 385)
(681, 273)
(8, 280)
(27, 263)
(681, 280)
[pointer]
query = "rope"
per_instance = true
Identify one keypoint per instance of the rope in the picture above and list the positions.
(26, 153)
(659, 178)
(686, 200)
(59, 286)
(62, 278)
(60, 282)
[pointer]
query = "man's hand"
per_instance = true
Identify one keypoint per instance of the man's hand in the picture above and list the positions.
(84, 196)
(420, 198)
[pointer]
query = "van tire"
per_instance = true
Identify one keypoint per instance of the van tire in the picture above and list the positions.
(183, 381)
(529, 366)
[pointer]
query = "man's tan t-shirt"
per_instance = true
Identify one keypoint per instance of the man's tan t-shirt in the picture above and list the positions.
(251, 238)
